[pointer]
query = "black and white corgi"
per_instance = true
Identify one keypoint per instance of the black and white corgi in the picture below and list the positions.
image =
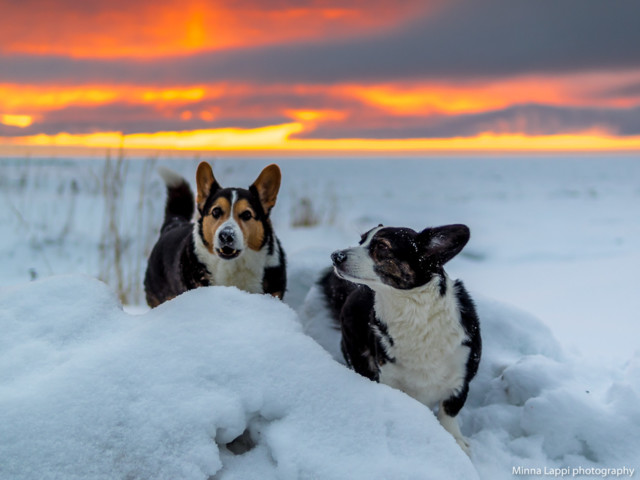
(404, 322)
(231, 243)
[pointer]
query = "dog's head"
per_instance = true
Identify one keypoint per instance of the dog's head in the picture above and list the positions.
(235, 219)
(400, 258)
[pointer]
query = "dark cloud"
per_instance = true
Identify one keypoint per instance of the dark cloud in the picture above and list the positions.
(10, 131)
(626, 91)
(468, 38)
(524, 119)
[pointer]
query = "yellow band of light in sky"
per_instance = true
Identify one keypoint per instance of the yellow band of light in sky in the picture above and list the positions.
(278, 137)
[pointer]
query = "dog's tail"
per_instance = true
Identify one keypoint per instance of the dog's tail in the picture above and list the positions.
(180, 204)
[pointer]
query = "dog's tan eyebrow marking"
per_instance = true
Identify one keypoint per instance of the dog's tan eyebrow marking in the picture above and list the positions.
(223, 204)
(240, 206)
(253, 231)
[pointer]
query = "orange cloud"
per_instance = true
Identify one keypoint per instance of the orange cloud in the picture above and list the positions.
(146, 29)
(400, 99)
(43, 98)
(430, 97)
(314, 116)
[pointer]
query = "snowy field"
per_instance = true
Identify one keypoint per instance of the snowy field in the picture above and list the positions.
(89, 390)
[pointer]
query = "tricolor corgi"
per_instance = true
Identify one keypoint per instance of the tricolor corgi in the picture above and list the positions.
(230, 243)
(403, 321)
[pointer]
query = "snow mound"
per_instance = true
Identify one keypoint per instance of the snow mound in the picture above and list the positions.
(531, 405)
(216, 384)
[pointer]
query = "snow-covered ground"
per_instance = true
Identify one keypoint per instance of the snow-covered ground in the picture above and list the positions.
(89, 391)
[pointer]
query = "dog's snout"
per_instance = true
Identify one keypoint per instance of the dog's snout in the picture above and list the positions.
(338, 257)
(226, 236)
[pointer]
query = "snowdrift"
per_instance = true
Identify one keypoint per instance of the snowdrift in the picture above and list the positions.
(221, 384)
(88, 391)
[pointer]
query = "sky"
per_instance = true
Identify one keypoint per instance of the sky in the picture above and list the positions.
(320, 75)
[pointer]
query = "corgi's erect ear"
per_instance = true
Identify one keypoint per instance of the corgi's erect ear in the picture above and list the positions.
(441, 244)
(206, 184)
(267, 185)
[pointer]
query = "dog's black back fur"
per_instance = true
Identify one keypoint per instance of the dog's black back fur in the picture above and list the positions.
(175, 236)
(180, 205)
(471, 325)
(275, 278)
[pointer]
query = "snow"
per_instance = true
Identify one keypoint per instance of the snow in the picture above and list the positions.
(534, 405)
(91, 389)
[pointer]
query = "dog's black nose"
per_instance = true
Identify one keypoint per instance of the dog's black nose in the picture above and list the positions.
(338, 257)
(226, 237)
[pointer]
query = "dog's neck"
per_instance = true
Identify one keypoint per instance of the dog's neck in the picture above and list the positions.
(418, 309)
(244, 272)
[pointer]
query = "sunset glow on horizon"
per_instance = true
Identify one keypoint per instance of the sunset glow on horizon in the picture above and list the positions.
(314, 76)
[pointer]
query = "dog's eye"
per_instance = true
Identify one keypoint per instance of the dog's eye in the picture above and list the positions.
(216, 212)
(246, 216)
(382, 248)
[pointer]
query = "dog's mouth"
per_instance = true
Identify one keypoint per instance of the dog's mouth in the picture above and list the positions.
(342, 273)
(353, 277)
(227, 253)
(338, 271)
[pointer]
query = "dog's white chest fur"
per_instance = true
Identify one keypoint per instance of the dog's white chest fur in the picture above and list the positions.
(245, 272)
(430, 360)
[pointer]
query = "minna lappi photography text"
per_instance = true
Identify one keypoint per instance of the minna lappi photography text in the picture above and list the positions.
(575, 472)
